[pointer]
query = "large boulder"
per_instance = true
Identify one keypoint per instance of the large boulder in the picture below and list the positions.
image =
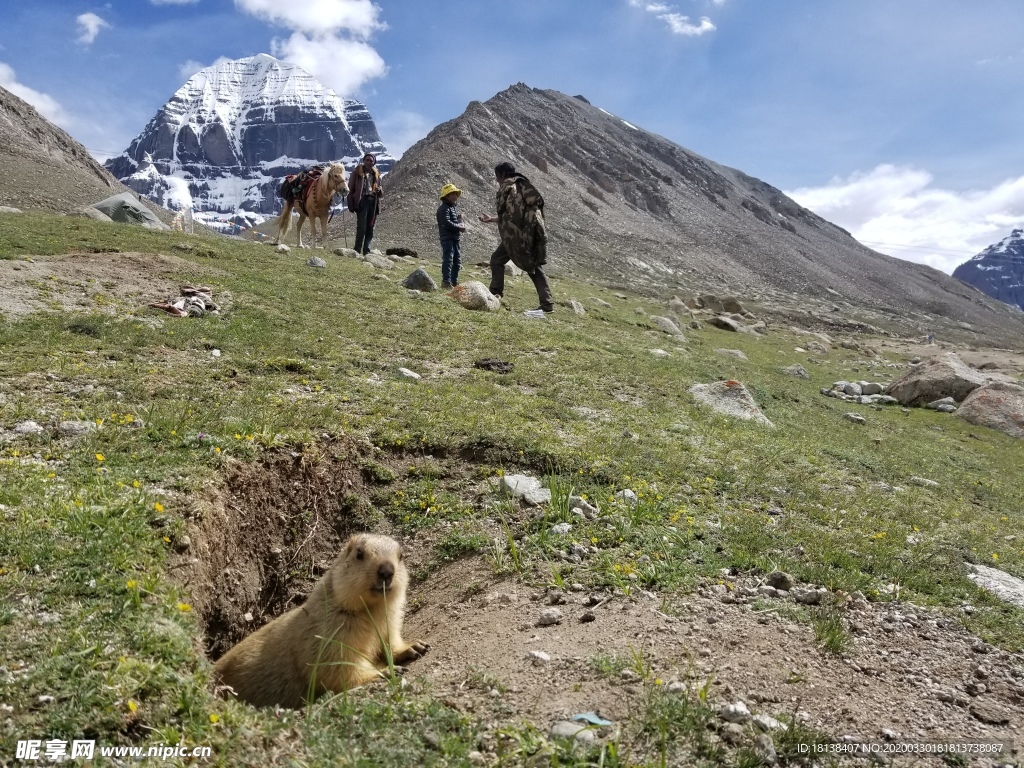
(666, 324)
(474, 295)
(999, 405)
(730, 398)
(943, 376)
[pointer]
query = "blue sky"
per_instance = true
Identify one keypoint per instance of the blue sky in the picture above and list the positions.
(900, 121)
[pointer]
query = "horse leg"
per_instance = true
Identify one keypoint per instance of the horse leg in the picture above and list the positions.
(284, 223)
(323, 230)
(302, 220)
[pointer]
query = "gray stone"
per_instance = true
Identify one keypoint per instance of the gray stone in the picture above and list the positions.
(796, 370)
(738, 354)
(518, 485)
(88, 212)
(405, 373)
(575, 306)
(75, 428)
(27, 428)
(852, 388)
(723, 323)
(870, 388)
(419, 280)
(282, 248)
(667, 326)
(856, 418)
(626, 494)
(924, 482)
(561, 529)
(475, 296)
(316, 262)
(998, 405)
(511, 270)
(536, 497)
(780, 580)
(580, 733)
(548, 617)
(735, 713)
(1008, 588)
(936, 378)
(8, 209)
(768, 723)
(730, 398)
(539, 658)
(600, 302)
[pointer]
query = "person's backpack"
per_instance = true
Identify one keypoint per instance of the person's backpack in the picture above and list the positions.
(521, 224)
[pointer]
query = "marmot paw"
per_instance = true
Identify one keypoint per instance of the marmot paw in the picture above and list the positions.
(416, 650)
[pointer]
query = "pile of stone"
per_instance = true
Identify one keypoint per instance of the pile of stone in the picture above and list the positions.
(863, 392)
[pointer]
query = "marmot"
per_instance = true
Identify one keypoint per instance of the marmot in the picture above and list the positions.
(335, 640)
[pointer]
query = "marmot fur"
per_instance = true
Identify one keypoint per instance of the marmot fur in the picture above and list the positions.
(334, 641)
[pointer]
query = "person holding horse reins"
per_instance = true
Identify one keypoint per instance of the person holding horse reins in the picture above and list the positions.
(364, 193)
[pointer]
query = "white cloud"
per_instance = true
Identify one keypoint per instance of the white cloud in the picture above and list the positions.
(401, 129)
(188, 68)
(677, 23)
(681, 25)
(337, 62)
(318, 17)
(897, 210)
(329, 38)
(47, 106)
(89, 25)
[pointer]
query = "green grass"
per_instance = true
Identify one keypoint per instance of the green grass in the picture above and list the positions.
(93, 616)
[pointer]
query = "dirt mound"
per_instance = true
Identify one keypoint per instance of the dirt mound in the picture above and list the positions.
(111, 283)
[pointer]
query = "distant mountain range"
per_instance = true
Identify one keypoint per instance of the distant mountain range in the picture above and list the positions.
(998, 271)
(227, 137)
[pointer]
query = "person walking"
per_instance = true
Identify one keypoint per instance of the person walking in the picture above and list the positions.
(520, 220)
(450, 229)
(364, 194)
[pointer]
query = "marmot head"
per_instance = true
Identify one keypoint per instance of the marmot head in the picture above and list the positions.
(371, 568)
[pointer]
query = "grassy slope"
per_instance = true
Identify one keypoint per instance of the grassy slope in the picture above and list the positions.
(90, 616)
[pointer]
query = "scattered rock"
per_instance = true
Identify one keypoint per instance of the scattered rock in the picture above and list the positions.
(998, 405)
(856, 418)
(924, 482)
(548, 617)
(724, 323)
(88, 212)
(28, 428)
(316, 262)
(576, 306)
(539, 658)
(9, 209)
(780, 580)
(475, 296)
(561, 529)
(939, 377)
(730, 398)
(738, 354)
(75, 428)
(988, 713)
(405, 373)
(419, 280)
(1004, 586)
(282, 248)
(796, 370)
(580, 733)
(667, 326)
(735, 713)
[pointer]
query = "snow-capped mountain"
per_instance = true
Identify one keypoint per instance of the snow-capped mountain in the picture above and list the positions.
(998, 271)
(224, 141)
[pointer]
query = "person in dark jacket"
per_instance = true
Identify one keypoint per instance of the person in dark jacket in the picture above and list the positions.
(364, 193)
(450, 229)
(523, 234)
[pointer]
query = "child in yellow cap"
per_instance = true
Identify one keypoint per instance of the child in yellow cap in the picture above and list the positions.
(450, 228)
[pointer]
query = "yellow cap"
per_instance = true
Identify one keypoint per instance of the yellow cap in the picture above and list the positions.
(447, 189)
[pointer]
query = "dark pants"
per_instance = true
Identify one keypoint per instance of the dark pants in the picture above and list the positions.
(499, 259)
(451, 261)
(366, 217)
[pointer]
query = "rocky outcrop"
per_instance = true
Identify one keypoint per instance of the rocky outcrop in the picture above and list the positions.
(934, 379)
(729, 398)
(998, 271)
(229, 135)
(999, 405)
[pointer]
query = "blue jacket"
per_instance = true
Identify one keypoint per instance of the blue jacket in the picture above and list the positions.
(449, 221)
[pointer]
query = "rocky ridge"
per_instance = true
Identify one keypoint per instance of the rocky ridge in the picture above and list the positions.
(632, 209)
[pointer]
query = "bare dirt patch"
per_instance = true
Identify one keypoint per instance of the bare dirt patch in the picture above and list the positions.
(909, 672)
(111, 283)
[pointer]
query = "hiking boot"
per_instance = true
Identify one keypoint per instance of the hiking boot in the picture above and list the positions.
(546, 310)
(446, 286)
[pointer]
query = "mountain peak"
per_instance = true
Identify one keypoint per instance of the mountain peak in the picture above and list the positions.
(998, 271)
(225, 139)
